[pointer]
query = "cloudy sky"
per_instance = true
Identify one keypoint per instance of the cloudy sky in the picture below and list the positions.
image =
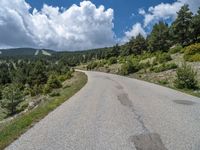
(78, 25)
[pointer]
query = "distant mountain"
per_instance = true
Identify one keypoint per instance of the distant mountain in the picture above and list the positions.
(25, 52)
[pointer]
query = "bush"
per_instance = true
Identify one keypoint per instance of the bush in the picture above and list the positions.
(112, 60)
(164, 67)
(92, 65)
(66, 76)
(22, 106)
(163, 82)
(128, 68)
(192, 52)
(163, 57)
(145, 65)
(186, 78)
(52, 83)
(175, 49)
(53, 94)
(36, 90)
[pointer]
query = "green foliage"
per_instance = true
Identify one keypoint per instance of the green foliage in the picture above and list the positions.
(159, 38)
(4, 74)
(112, 60)
(192, 52)
(13, 129)
(22, 106)
(52, 83)
(137, 45)
(36, 90)
(175, 49)
(11, 97)
(54, 94)
(163, 57)
(92, 65)
(113, 52)
(164, 67)
(38, 74)
(66, 76)
(129, 67)
(195, 27)
(186, 78)
(181, 26)
(163, 82)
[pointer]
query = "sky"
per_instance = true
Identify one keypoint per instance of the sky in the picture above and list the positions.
(78, 25)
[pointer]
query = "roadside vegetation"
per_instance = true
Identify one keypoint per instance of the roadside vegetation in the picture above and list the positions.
(12, 129)
(169, 55)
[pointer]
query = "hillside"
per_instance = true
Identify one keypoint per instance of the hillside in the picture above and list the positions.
(25, 52)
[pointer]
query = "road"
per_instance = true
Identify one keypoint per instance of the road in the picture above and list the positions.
(118, 113)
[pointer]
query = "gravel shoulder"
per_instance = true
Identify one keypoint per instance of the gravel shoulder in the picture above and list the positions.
(115, 112)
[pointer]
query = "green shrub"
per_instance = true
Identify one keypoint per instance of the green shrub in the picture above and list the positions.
(22, 106)
(52, 83)
(163, 57)
(163, 82)
(192, 52)
(92, 65)
(66, 76)
(128, 67)
(54, 94)
(175, 49)
(47, 89)
(145, 65)
(186, 78)
(112, 60)
(164, 67)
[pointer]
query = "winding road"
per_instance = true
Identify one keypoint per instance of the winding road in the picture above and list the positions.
(112, 112)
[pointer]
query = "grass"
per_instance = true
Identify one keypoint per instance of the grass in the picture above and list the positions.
(12, 130)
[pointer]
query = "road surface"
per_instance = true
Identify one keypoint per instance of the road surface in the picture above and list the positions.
(118, 113)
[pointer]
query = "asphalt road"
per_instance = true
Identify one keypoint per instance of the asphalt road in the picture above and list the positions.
(118, 113)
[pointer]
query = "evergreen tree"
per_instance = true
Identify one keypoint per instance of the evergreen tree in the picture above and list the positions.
(11, 97)
(139, 44)
(159, 37)
(181, 26)
(196, 27)
(114, 51)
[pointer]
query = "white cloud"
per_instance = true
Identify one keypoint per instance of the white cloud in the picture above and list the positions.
(141, 11)
(165, 11)
(135, 30)
(78, 27)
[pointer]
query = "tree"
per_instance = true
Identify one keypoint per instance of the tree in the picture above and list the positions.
(38, 74)
(181, 26)
(159, 37)
(11, 97)
(114, 51)
(196, 27)
(4, 74)
(139, 44)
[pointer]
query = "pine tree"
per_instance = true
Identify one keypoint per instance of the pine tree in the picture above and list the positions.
(139, 44)
(159, 37)
(11, 97)
(181, 26)
(196, 27)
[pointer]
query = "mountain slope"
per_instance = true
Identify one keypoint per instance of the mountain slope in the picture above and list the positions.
(25, 52)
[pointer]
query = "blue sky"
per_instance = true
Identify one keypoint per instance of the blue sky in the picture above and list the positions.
(125, 12)
(79, 25)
